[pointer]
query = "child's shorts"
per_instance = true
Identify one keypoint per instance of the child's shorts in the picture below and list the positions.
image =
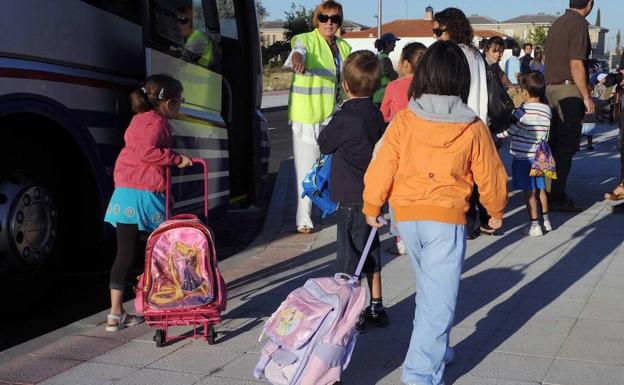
(520, 169)
(352, 234)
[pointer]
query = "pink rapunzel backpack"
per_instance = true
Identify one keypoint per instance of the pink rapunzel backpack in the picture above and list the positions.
(312, 333)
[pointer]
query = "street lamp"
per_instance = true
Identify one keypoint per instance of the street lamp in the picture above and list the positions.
(379, 18)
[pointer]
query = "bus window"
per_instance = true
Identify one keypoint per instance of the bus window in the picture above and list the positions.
(179, 29)
(227, 18)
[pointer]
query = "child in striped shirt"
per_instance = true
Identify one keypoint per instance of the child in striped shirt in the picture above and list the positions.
(531, 123)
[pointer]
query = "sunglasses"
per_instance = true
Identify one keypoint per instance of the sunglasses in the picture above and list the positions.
(438, 31)
(182, 20)
(335, 19)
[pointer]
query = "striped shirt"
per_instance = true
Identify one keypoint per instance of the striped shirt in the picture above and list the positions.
(530, 127)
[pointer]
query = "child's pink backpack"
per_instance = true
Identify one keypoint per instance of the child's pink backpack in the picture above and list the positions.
(312, 333)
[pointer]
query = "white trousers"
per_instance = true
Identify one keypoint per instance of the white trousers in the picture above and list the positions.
(306, 152)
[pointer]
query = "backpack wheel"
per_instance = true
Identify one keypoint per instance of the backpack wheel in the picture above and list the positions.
(212, 335)
(159, 337)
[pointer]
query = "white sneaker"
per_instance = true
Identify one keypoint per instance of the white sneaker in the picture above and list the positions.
(547, 225)
(401, 247)
(534, 231)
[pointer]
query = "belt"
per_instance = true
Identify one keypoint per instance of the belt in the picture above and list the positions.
(566, 82)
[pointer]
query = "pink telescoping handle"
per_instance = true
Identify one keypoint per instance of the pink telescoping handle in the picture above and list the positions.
(369, 243)
(168, 188)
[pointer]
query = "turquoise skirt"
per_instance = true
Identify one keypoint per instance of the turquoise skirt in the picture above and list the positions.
(132, 206)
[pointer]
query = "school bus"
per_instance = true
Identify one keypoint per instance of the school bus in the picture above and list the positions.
(66, 70)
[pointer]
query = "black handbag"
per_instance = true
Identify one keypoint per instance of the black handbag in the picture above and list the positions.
(500, 104)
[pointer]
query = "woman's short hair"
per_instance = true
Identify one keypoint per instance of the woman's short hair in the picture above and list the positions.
(443, 70)
(362, 73)
(495, 41)
(329, 5)
(456, 25)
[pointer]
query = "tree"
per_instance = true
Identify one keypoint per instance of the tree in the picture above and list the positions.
(261, 11)
(298, 20)
(618, 43)
(538, 35)
(598, 18)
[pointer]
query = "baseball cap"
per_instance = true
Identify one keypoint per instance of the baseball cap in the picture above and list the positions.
(601, 76)
(389, 38)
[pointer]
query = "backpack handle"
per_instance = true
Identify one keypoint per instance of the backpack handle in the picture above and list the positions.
(204, 165)
(369, 243)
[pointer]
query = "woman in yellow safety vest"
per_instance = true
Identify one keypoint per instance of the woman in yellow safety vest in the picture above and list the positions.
(385, 45)
(316, 59)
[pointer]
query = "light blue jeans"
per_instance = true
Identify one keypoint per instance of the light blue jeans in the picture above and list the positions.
(437, 252)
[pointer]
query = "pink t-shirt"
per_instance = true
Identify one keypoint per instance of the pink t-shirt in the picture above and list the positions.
(395, 99)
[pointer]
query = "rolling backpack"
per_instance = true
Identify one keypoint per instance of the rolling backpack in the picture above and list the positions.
(316, 186)
(312, 333)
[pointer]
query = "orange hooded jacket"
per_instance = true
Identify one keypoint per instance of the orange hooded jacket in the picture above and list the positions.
(432, 154)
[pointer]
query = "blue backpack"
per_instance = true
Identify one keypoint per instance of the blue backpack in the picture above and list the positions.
(316, 186)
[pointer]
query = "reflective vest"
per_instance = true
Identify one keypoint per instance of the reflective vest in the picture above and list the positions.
(379, 94)
(313, 94)
(206, 58)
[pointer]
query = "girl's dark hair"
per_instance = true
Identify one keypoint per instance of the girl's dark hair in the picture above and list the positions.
(494, 41)
(443, 70)
(157, 89)
(455, 23)
(413, 53)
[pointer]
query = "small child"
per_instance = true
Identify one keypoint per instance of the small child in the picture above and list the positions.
(138, 202)
(396, 99)
(531, 125)
(350, 136)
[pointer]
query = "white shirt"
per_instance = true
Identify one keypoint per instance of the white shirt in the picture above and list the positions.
(478, 96)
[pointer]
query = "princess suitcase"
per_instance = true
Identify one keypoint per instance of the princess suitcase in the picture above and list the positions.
(181, 284)
(312, 333)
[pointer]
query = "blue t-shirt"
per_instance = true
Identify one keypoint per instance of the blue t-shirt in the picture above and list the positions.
(512, 67)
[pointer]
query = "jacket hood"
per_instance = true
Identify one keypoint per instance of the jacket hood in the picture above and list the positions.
(449, 115)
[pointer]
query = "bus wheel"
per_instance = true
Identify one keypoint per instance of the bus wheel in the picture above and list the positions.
(28, 226)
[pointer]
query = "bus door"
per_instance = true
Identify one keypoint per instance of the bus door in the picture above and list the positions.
(182, 40)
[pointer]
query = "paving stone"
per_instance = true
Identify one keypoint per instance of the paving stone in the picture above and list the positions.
(597, 329)
(585, 349)
(216, 380)
(146, 376)
(474, 380)
(604, 311)
(560, 326)
(584, 373)
(240, 368)
(90, 373)
(552, 308)
(520, 343)
(612, 280)
(513, 367)
(607, 294)
(193, 360)
(136, 354)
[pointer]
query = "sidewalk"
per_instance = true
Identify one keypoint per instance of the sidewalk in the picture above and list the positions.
(274, 99)
(544, 310)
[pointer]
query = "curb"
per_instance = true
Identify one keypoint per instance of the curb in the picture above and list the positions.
(274, 109)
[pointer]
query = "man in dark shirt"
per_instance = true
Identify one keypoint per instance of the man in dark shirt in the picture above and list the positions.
(525, 61)
(566, 51)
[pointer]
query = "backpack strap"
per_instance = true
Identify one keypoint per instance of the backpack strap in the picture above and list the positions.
(267, 352)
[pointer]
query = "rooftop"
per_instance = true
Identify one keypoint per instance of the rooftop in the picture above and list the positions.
(401, 28)
(478, 19)
(539, 18)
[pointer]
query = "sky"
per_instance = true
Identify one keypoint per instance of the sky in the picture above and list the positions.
(364, 11)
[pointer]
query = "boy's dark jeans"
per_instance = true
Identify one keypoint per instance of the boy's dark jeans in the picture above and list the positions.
(352, 234)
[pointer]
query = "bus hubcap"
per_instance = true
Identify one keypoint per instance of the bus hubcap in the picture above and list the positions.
(28, 225)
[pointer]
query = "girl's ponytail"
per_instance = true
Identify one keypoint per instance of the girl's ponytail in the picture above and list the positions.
(140, 101)
(380, 45)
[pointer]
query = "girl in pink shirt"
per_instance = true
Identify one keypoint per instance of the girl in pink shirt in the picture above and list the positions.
(395, 98)
(138, 202)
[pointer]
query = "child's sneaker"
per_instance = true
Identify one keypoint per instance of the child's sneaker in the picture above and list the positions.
(547, 225)
(401, 247)
(378, 318)
(534, 231)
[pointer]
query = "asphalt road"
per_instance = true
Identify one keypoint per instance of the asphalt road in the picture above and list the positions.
(83, 290)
